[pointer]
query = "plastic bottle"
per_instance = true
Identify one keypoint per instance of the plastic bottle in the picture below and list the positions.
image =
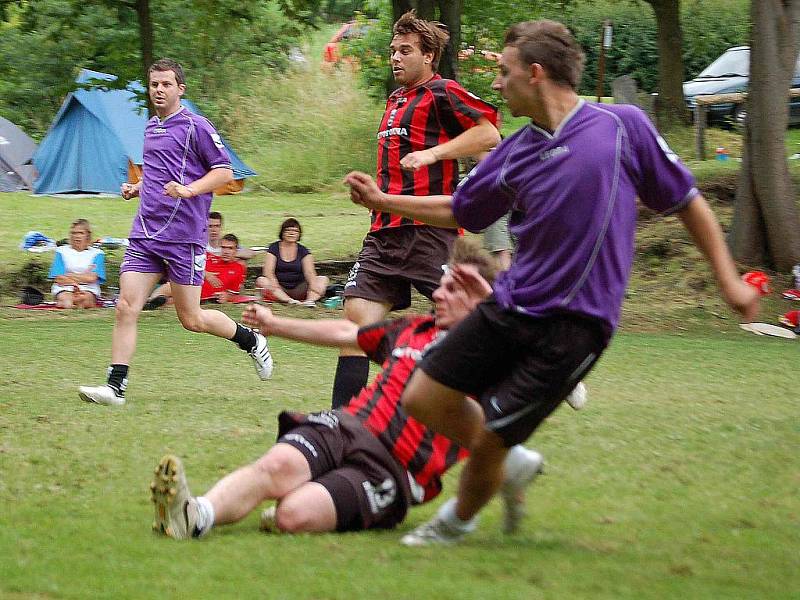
(722, 153)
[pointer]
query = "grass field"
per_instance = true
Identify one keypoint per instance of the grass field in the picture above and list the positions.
(679, 479)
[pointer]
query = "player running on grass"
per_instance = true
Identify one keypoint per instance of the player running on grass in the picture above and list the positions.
(184, 160)
(358, 467)
(570, 179)
(428, 123)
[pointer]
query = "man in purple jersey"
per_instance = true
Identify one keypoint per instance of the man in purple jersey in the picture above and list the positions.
(570, 180)
(184, 160)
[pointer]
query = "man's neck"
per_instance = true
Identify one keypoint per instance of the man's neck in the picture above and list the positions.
(420, 81)
(555, 107)
(166, 114)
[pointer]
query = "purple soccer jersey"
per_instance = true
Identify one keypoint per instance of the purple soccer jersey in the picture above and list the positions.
(572, 196)
(181, 148)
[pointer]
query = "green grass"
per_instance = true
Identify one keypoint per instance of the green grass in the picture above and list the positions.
(332, 226)
(679, 479)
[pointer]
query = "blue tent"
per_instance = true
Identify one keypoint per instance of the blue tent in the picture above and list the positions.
(96, 137)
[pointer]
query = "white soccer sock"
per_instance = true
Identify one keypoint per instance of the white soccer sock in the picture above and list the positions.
(447, 513)
(205, 515)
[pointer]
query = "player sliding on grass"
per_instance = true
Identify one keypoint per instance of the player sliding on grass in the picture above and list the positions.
(358, 467)
(570, 179)
(184, 160)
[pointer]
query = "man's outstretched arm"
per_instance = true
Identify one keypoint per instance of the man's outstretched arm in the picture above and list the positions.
(434, 210)
(707, 235)
(338, 333)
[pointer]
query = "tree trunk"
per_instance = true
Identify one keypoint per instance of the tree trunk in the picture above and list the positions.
(766, 225)
(145, 43)
(450, 15)
(670, 105)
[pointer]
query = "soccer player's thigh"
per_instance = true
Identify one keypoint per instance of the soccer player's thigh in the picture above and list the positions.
(547, 369)
(135, 288)
(307, 508)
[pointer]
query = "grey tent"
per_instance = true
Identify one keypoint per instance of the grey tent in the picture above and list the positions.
(16, 150)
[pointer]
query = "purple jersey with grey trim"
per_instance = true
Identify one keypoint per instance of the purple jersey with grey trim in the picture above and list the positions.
(182, 148)
(572, 196)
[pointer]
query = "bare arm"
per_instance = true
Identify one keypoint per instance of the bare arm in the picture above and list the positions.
(268, 270)
(338, 333)
(309, 272)
(207, 183)
(707, 235)
(472, 142)
(434, 210)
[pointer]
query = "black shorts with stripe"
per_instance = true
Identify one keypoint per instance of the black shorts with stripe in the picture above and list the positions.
(519, 367)
(369, 488)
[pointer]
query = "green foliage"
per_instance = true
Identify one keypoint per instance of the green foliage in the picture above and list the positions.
(44, 43)
(709, 28)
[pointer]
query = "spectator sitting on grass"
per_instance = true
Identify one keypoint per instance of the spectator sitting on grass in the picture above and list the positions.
(289, 275)
(78, 269)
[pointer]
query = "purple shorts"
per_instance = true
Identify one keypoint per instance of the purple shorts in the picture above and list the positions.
(183, 263)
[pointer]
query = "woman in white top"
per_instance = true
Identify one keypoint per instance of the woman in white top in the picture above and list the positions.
(78, 269)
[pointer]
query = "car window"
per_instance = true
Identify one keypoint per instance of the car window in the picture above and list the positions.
(732, 63)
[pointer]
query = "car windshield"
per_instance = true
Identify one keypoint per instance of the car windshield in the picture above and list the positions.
(730, 64)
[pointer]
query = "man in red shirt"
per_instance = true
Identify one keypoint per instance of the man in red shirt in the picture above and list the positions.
(225, 274)
(356, 468)
(429, 122)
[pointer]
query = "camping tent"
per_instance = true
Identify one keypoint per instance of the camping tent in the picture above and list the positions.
(96, 140)
(16, 151)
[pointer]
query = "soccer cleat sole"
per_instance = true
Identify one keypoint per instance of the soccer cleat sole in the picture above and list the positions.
(163, 494)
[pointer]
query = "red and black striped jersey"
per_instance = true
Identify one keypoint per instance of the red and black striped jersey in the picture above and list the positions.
(398, 345)
(416, 119)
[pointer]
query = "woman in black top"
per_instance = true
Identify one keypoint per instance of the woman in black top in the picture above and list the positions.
(289, 275)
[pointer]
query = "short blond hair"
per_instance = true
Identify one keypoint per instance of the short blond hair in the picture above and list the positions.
(469, 252)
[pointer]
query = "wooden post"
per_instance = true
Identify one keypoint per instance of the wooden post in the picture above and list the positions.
(605, 43)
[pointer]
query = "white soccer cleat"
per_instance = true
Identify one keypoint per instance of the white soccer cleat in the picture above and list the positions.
(262, 359)
(101, 394)
(522, 467)
(433, 533)
(175, 509)
(578, 397)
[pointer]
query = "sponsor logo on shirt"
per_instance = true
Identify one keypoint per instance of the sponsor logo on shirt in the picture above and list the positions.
(393, 131)
(553, 152)
(159, 130)
(392, 115)
(217, 140)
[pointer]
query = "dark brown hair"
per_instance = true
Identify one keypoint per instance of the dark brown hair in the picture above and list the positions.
(167, 64)
(551, 45)
(215, 215)
(229, 237)
(433, 36)
(290, 222)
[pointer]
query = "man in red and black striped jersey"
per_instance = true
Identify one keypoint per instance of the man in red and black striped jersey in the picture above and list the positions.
(429, 122)
(354, 468)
